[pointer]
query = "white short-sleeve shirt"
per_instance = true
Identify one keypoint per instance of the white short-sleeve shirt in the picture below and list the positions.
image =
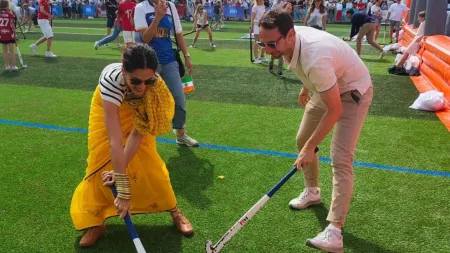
(316, 18)
(259, 10)
(322, 60)
(375, 9)
(112, 87)
(396, 11)
(144, 14)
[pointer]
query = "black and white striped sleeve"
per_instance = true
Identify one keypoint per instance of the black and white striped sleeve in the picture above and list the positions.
(111, 88)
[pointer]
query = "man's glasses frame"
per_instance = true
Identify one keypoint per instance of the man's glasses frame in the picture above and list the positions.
(270, 44)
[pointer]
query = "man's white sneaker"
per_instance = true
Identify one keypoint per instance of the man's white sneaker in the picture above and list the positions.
(187, 140)
(49, 54)
(212, 45)
(306, 199)
(263, 59)
(96, 45)
(33, 48)
(328, 240)
(14, 68)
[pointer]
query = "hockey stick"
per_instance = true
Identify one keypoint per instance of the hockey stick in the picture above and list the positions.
(251, 48)
(20, 26)
(51, 13)
(20, 55)
(209, 248)
(133, 234)
(188, 33)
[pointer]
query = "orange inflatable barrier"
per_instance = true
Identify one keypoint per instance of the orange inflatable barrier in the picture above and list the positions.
(434, 67)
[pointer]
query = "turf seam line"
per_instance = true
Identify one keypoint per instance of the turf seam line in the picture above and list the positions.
(241, 150)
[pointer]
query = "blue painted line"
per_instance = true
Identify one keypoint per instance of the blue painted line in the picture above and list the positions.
(243, 150)
(41, 126)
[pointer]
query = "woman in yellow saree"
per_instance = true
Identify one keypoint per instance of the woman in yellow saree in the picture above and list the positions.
(130, 106)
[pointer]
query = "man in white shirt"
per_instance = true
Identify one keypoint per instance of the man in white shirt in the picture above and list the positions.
(343, 93)
(395, 15)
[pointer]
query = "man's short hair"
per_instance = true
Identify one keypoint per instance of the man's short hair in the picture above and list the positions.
(277, 18)
(350, 11)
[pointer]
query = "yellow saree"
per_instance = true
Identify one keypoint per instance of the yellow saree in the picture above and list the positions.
(92, 203)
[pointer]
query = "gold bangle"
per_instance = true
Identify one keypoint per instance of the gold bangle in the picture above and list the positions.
(123, 186)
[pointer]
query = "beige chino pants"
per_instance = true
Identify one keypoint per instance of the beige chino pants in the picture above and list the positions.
(343, 145)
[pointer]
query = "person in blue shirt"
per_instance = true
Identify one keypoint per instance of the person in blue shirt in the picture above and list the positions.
(363, 25)
(154, 21)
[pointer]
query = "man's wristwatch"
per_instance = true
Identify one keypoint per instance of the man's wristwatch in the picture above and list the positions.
(187, 55)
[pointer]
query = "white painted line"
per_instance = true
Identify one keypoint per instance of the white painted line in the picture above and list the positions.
(93, 34)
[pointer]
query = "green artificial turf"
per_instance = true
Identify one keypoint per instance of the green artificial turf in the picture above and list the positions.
(236, 104)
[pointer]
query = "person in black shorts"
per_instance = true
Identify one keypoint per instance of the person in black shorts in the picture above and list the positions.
(201, 22)
(111, 9)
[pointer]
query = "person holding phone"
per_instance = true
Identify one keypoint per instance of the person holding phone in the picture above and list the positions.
(154, 20)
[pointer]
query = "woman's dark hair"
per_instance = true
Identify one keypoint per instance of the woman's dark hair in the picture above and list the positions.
(422, 14)
(286, 4)
(4, 4)
(139, 56)
(277, 18)
(321, 7)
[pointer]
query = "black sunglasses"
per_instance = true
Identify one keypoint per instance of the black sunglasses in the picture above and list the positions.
(148, 82)
(269, 44)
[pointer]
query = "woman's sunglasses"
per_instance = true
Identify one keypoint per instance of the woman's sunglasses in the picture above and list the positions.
(148, 82)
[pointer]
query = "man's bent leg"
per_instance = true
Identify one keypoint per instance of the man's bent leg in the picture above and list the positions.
(344, 141)
(311, 118)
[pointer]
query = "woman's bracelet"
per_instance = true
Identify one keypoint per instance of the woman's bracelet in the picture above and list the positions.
(123, 186)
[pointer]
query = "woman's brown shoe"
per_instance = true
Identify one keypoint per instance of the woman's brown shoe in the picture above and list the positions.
(91, 236)
(182, 223)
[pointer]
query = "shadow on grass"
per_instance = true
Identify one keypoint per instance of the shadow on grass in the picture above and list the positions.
(287, 80)
(154, 239)
(191, 176)
(231, 84)
(208, 49)
(10, 74)
(49, 60)
(378, 60)
(350, 240)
